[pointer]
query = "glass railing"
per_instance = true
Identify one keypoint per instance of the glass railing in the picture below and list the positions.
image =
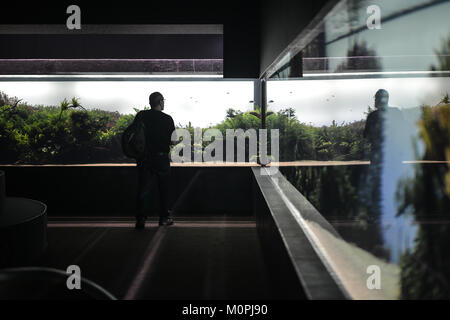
(360, 36)
(364, 136)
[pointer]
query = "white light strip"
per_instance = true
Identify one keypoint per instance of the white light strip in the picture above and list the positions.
(425, 162)
(346, 74)
(102, 76)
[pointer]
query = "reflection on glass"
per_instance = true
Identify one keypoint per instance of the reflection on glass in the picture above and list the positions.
(409, 39)
(355, 148)
(426, 197)
(366, 140)
(373, 108)
(412, 36)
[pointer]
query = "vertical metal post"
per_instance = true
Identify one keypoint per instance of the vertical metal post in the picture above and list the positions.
(2, 191)
(256, 93)
(260, 100)
(263, 102)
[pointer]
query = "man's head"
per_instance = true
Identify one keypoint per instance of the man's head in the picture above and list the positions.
(381, 99)
(156, 100)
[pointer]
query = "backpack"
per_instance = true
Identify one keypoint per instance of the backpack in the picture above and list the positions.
(133, 140)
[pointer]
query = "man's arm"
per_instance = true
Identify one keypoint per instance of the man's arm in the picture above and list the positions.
(138, 116)
(172, 130)
(368, 125)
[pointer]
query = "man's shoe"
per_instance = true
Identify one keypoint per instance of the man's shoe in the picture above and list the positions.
(140, 223)
(167, 221)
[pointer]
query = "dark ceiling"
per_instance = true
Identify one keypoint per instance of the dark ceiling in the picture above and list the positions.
(240, 41)
(244, 25)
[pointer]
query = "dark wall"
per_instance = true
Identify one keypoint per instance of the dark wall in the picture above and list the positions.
(111, 190)
(240, 39)
(95, 46)
(281, 22)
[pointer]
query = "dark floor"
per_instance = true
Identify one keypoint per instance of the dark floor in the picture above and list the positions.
(209, 259)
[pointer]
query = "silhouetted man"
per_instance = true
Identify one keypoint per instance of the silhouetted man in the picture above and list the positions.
(154, 168)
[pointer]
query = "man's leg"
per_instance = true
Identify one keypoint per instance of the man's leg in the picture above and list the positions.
(164, 180)
(145, 185)
(164, 191)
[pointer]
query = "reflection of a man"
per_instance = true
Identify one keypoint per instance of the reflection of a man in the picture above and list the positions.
(376, 124)
(374, 135)
(389, 136)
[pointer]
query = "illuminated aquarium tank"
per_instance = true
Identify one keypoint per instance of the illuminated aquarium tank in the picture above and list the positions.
(81, 121)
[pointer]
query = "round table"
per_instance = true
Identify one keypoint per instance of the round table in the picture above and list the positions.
(23, 229)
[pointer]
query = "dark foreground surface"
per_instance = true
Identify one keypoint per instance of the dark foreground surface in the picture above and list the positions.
(195, 259)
